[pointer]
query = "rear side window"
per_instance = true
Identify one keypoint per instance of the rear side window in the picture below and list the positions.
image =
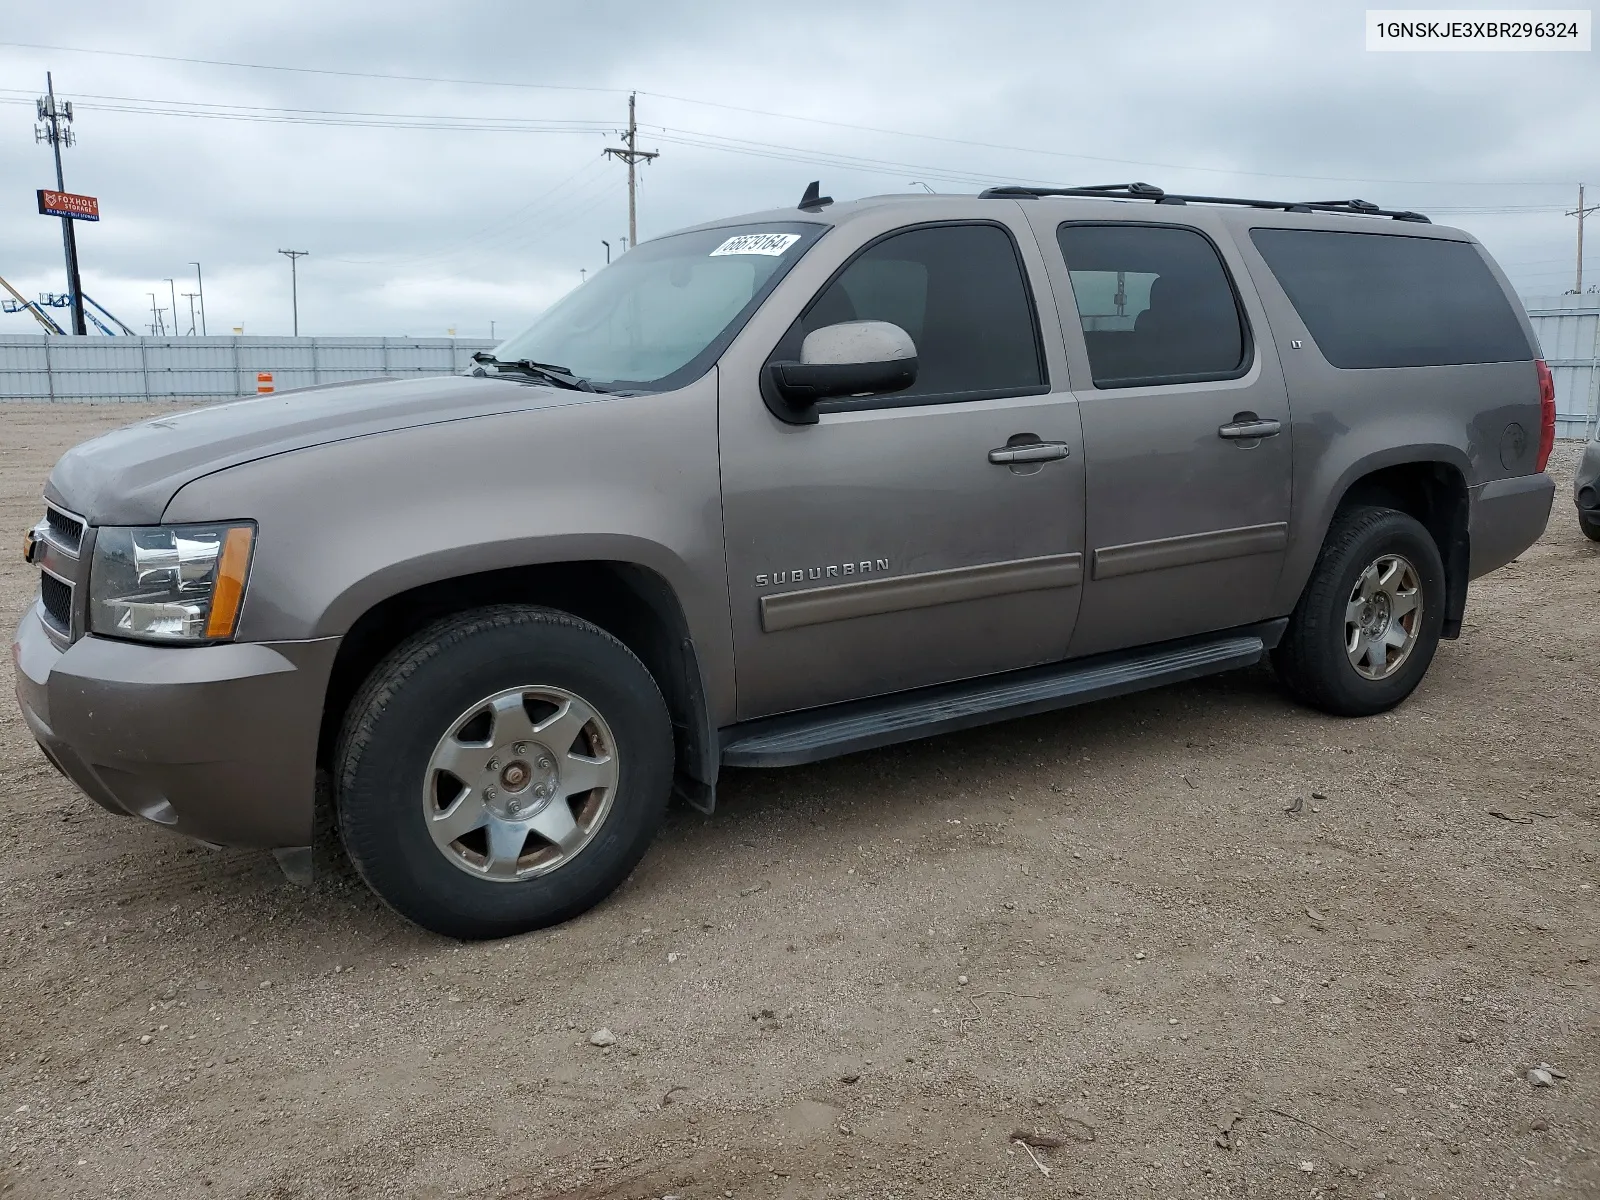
(959, 291)
(1155, 303)
(1378, 300)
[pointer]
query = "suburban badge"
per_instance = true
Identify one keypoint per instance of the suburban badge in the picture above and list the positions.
(849, 570)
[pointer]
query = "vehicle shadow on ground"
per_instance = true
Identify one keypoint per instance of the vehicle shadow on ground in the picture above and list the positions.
(1142, 724)
(813, 806)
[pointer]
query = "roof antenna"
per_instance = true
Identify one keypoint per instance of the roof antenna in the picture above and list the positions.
(814, 200)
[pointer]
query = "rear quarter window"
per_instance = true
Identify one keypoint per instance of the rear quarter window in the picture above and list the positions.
(1381, 300)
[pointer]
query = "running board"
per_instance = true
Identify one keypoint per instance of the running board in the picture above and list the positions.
(817, 734)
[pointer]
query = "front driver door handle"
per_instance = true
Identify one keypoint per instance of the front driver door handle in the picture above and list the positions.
(1029, 452)
(1246, 426)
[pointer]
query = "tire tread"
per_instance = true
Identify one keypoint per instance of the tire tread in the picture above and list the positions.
(1301, 657)
(391, 675)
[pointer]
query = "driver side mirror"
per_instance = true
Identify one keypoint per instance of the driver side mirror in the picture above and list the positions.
(852, 358)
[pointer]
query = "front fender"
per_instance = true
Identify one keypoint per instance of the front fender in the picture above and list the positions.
(344, 526)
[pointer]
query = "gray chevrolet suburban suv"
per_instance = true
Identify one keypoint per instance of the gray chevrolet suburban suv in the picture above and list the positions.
(777, 488)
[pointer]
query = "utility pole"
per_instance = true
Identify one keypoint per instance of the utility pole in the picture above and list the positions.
(189, 296)
(201, 284)
(157, 328)
(631, 154)
(56, 128)
(173, 292)
(294, 284)
(1580, 212)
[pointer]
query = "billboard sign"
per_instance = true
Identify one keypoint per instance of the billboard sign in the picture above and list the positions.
(68, 204)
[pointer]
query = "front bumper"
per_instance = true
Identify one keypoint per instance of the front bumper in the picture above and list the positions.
(217, 742)
(1586, 483)
(1506, 517)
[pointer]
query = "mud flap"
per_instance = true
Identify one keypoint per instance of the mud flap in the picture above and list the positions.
(699, 796)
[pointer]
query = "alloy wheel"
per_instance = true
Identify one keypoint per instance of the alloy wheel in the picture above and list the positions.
(520, 783)
(1383, 616)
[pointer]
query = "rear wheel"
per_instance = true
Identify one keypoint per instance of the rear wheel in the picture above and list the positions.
(1590, 526)
(1368, 622)
(503, 770)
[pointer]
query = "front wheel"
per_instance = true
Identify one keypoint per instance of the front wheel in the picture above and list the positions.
(1590, 526)
(1368, 622)
(503, 770)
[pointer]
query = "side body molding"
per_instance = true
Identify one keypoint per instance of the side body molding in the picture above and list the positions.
(899, 593)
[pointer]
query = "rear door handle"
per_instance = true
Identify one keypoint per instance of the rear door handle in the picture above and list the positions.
(1029, 452)
(1248, 425)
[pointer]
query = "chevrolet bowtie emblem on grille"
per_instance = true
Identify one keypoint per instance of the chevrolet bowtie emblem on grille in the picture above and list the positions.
(30, 543)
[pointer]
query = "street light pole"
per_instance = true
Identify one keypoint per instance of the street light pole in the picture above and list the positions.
(294, 284)
(201, 283)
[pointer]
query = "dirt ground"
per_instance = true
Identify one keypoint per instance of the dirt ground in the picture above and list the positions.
(860, 978)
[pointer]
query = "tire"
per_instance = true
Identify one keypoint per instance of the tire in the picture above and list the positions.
(1315, 658)
(475, 693)
(1590, 526)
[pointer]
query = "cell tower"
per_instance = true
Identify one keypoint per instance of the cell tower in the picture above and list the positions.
(55, 129)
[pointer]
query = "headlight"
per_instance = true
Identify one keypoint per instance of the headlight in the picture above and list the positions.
(169, 583)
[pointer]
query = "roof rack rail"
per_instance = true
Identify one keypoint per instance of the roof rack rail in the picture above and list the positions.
(1148, 191)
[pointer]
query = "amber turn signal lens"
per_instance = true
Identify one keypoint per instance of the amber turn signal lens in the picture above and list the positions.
(231, 572)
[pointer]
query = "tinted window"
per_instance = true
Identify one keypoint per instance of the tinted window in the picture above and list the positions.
(1378, 300)
(1155, 304)
(958, 290)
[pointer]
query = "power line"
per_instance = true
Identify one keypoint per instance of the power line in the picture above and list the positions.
(334, 117)
(458, 244)
(550, 219)
(772, 114)
(215, 62)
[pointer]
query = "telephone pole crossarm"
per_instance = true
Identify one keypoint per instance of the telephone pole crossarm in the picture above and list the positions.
(632, 155)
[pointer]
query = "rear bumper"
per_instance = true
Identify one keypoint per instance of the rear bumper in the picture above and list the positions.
(1507, 516)
(217, 742)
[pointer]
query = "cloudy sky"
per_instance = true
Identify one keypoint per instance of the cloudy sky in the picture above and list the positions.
(442, 163)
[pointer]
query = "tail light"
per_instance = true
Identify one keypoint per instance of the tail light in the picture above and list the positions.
(1547, 413)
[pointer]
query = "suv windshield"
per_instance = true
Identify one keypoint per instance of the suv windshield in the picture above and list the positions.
(662, 313)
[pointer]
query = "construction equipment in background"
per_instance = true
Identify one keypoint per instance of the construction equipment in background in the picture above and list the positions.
(36, 309)
(56, 300)
(18, 304)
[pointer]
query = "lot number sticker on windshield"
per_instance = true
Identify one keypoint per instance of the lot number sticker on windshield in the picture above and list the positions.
(773, 244)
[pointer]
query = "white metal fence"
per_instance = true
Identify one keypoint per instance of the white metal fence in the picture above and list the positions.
(101, 369)
(93, 369)
(1569, 331)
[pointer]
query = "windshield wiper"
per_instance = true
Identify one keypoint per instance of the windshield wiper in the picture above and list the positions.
(549, 372)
